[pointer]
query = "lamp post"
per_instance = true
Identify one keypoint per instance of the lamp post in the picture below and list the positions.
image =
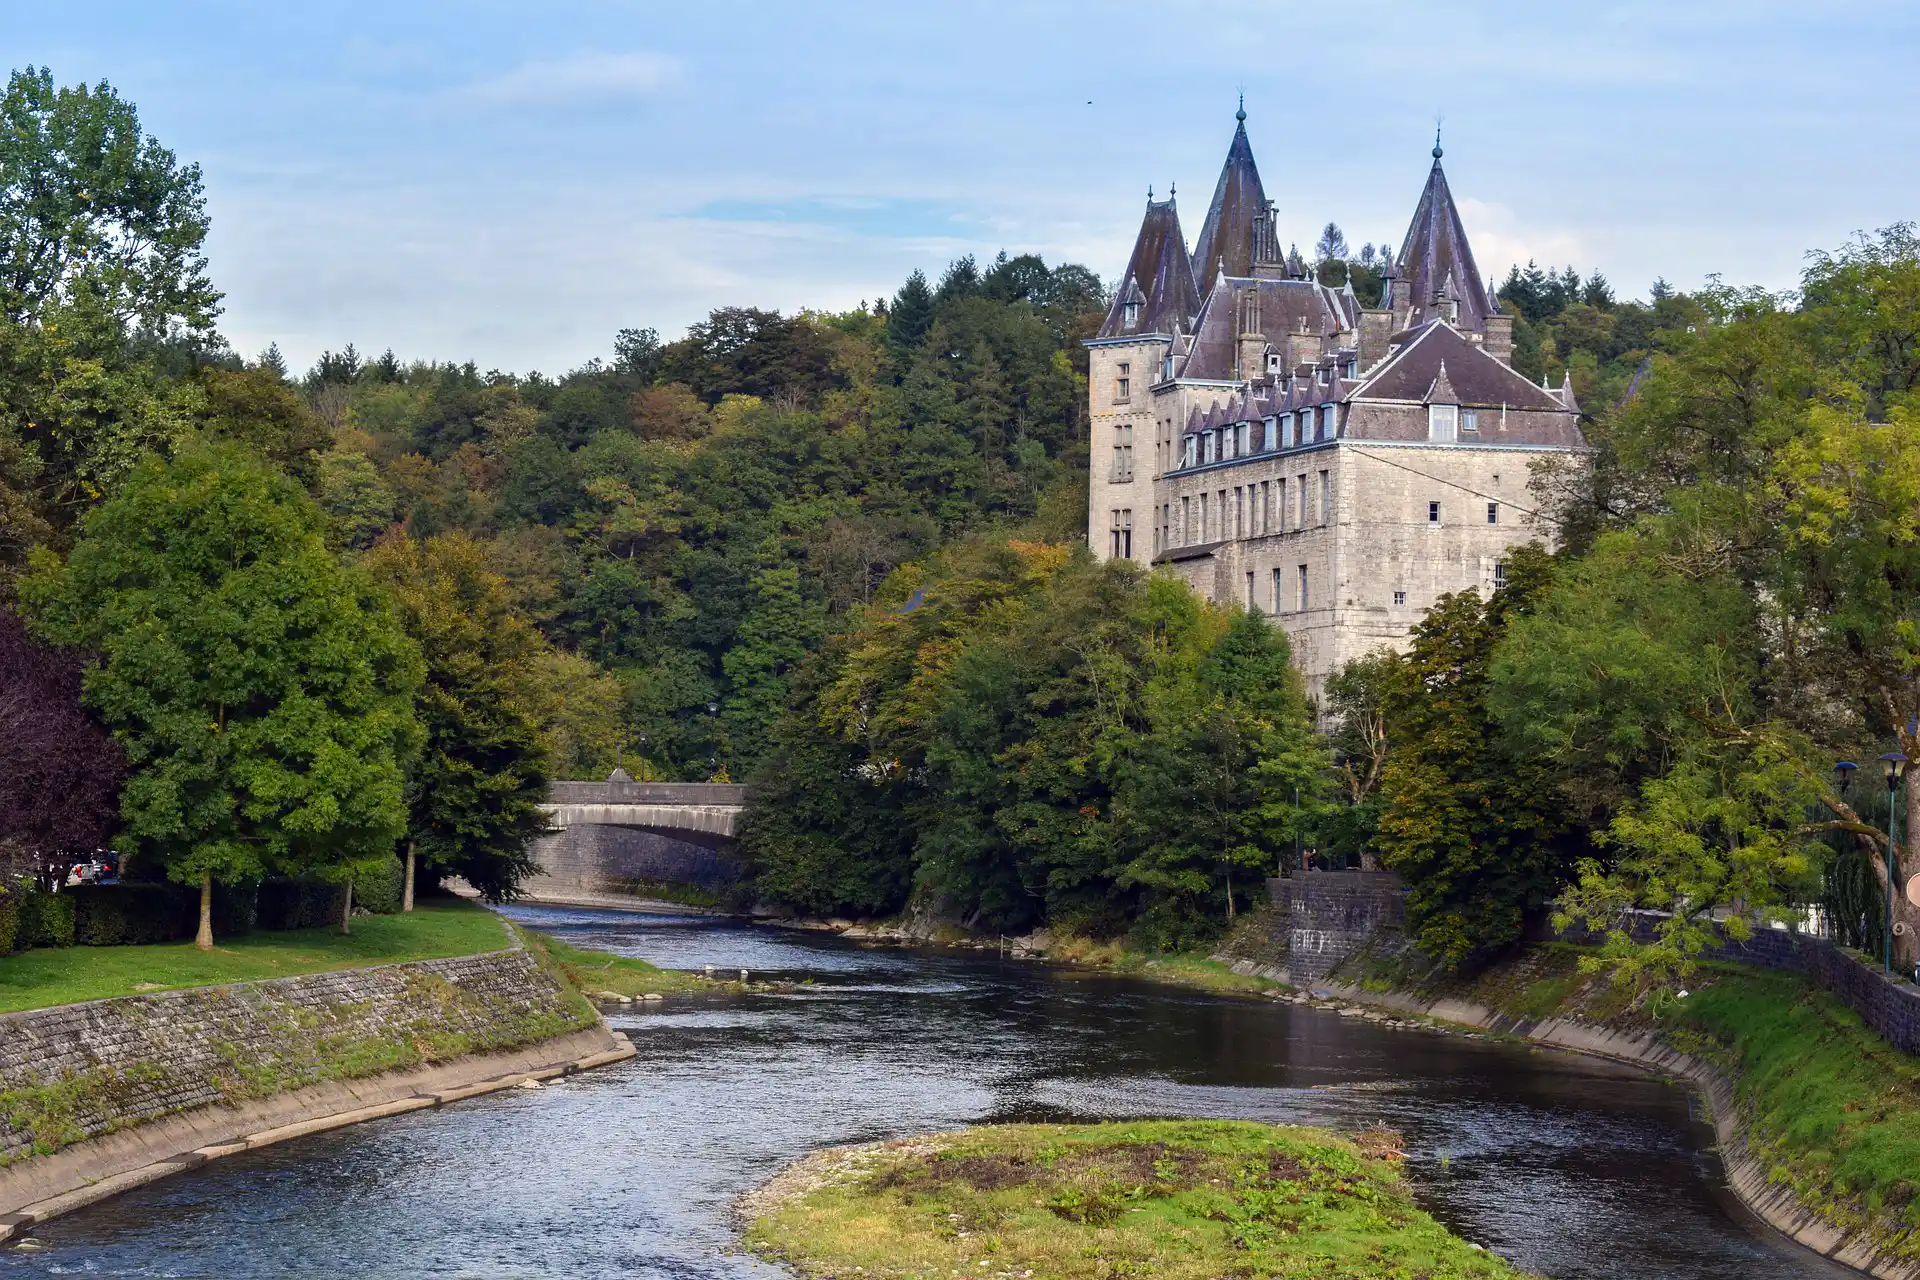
(1893, 764)
(643, 757)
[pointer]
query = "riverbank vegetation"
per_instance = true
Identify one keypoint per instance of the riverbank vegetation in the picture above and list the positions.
(1175, 1199)
(592, 973)
(442, 927)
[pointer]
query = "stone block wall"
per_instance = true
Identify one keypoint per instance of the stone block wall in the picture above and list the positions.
(1332, 914)
(589, 860)
(79, 1071)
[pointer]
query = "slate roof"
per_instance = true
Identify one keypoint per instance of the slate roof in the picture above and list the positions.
(1159, 277)
(1283, 305)
(1435, 254)
(1238, 198)
(1476, 378)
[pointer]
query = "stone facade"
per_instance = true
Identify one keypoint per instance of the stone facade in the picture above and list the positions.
(76, 1072)
(586, 862)
(1284, 448)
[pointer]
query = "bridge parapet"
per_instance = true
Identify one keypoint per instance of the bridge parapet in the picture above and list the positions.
(701, 794)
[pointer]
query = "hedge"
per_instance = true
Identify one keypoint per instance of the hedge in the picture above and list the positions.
(117, 915)
(46, 920)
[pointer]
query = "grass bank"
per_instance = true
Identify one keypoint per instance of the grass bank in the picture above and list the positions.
(65, 975)
(593, 972)
(1831, 1110)
(1179, 1200)
(1184, 969)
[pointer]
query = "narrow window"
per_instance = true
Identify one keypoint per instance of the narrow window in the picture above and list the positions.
(1280, 519)
(1206, 526)
(1132, 315)
(1270, 436)
(1286, 432)
(1326, 497)
(1113, 536)
(1469, 420)
(1253, 606)
(1186, 522)
(1239, 512)
(1266, 507)
(1433, 513)
(1245, 428)
(1399, 599)
(1442, 421)
(1123, 384)
(1279, 600)
(1499, 574)
(1300, 487)
(1327, 424)
(1126, 532)
(1303, 588)
(1493, 513)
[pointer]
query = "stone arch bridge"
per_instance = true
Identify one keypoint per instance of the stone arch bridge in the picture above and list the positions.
(618, 842)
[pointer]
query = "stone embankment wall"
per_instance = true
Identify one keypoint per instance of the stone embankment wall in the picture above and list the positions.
(76, 1072)
(1320, 918)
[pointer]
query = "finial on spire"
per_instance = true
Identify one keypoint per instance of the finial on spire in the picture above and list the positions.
(1241, 114)
(1149, 193)
(1436, 139)
(1171, 190)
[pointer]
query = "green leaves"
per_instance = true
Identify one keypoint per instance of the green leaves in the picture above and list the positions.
(261, 688)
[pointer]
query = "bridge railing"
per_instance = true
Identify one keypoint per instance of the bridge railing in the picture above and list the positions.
(691, 793)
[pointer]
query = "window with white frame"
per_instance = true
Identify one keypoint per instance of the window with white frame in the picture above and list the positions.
(1399, 599)
(1329, 424)
(1469, 420)
(1433, 513)
(1244, 429)
(1130, 315)
(1286, 431)
(1499, 574)
(1493, 513)
(1443, 422)
(1123, 382)
(1270, 435)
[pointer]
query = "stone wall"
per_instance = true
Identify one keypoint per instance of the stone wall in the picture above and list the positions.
(1315, 920)
(586, 862)
(76, 1072)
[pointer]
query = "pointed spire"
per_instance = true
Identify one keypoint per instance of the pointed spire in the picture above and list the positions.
(1566, 392)
(1158, 296)
(1241, 115)
(1436, 142)
(1227, 234)
(1436, 253)
(1442, 392)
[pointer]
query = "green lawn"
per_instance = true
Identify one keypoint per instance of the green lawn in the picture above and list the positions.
(64, 975)
(592, 972)
(1175, 1200)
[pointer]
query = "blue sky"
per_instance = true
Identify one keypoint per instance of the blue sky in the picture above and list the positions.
(511, 183)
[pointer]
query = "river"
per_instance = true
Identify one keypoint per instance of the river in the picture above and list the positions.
(1569, 1166)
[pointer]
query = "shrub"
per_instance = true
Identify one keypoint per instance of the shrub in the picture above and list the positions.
(46, 920)
(379, 892)
(236, 908)
(119, 915)
(297, 904)
(9, 919)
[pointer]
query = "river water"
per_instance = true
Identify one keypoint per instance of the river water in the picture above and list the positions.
(1569, 1166)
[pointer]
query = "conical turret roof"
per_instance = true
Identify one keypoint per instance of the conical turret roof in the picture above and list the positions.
(1159, 280)
(1435, 257)
(1226, 237)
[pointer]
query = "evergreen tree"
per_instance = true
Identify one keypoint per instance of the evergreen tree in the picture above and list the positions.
(911, 314)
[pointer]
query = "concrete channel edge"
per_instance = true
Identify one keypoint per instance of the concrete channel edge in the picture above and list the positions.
(1775, 1205)
(461, 1078)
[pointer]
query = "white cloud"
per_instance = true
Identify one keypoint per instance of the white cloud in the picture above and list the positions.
(586, 76)
(1500, 241)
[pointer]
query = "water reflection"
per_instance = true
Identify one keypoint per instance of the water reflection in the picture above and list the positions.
(1572, 1167)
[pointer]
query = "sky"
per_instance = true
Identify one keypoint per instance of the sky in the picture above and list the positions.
(512, 183)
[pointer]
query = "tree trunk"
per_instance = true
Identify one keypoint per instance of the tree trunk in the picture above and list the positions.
(346, 909)
(1906, 947)
(204, 939)
(1229, 891)
(406, 887)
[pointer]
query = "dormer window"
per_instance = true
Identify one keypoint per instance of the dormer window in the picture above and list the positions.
(1192, 456)
(1271, 436)
(1130, 314)
(1469, 420)
(1443, 422)
(1166, 369)
(1286, 432)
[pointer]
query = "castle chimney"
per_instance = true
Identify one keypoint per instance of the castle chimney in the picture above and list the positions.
(1376, 326)
(1499, 339)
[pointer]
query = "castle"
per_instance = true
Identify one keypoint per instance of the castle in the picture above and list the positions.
(1283, 447)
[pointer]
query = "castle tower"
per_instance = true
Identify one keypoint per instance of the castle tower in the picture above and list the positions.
(1155, 304)
(1227, 236)
(1435, 277)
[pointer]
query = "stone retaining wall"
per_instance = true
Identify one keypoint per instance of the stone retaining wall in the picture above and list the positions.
(76, 1072)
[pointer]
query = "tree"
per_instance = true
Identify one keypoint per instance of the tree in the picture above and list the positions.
(262, 690)
(474, 798)
(911, 314)
(60, 771)
(1332, 245)
(93, 209)
(1476, 834)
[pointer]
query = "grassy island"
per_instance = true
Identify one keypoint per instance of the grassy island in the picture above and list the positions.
(1176, 1200)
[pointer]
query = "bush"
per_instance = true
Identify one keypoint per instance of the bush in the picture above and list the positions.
(379, 892)
(236, 908)
(122, 915)
(9, 919)
(298, 904)
(46, 920)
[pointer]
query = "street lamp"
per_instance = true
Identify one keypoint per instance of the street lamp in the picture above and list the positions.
(643, 757)
(1843, 774)
(1893, 764)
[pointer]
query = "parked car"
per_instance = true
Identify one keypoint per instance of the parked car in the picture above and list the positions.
(102, 868)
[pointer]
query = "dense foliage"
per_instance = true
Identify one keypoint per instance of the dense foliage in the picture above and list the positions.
(1018, 736)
